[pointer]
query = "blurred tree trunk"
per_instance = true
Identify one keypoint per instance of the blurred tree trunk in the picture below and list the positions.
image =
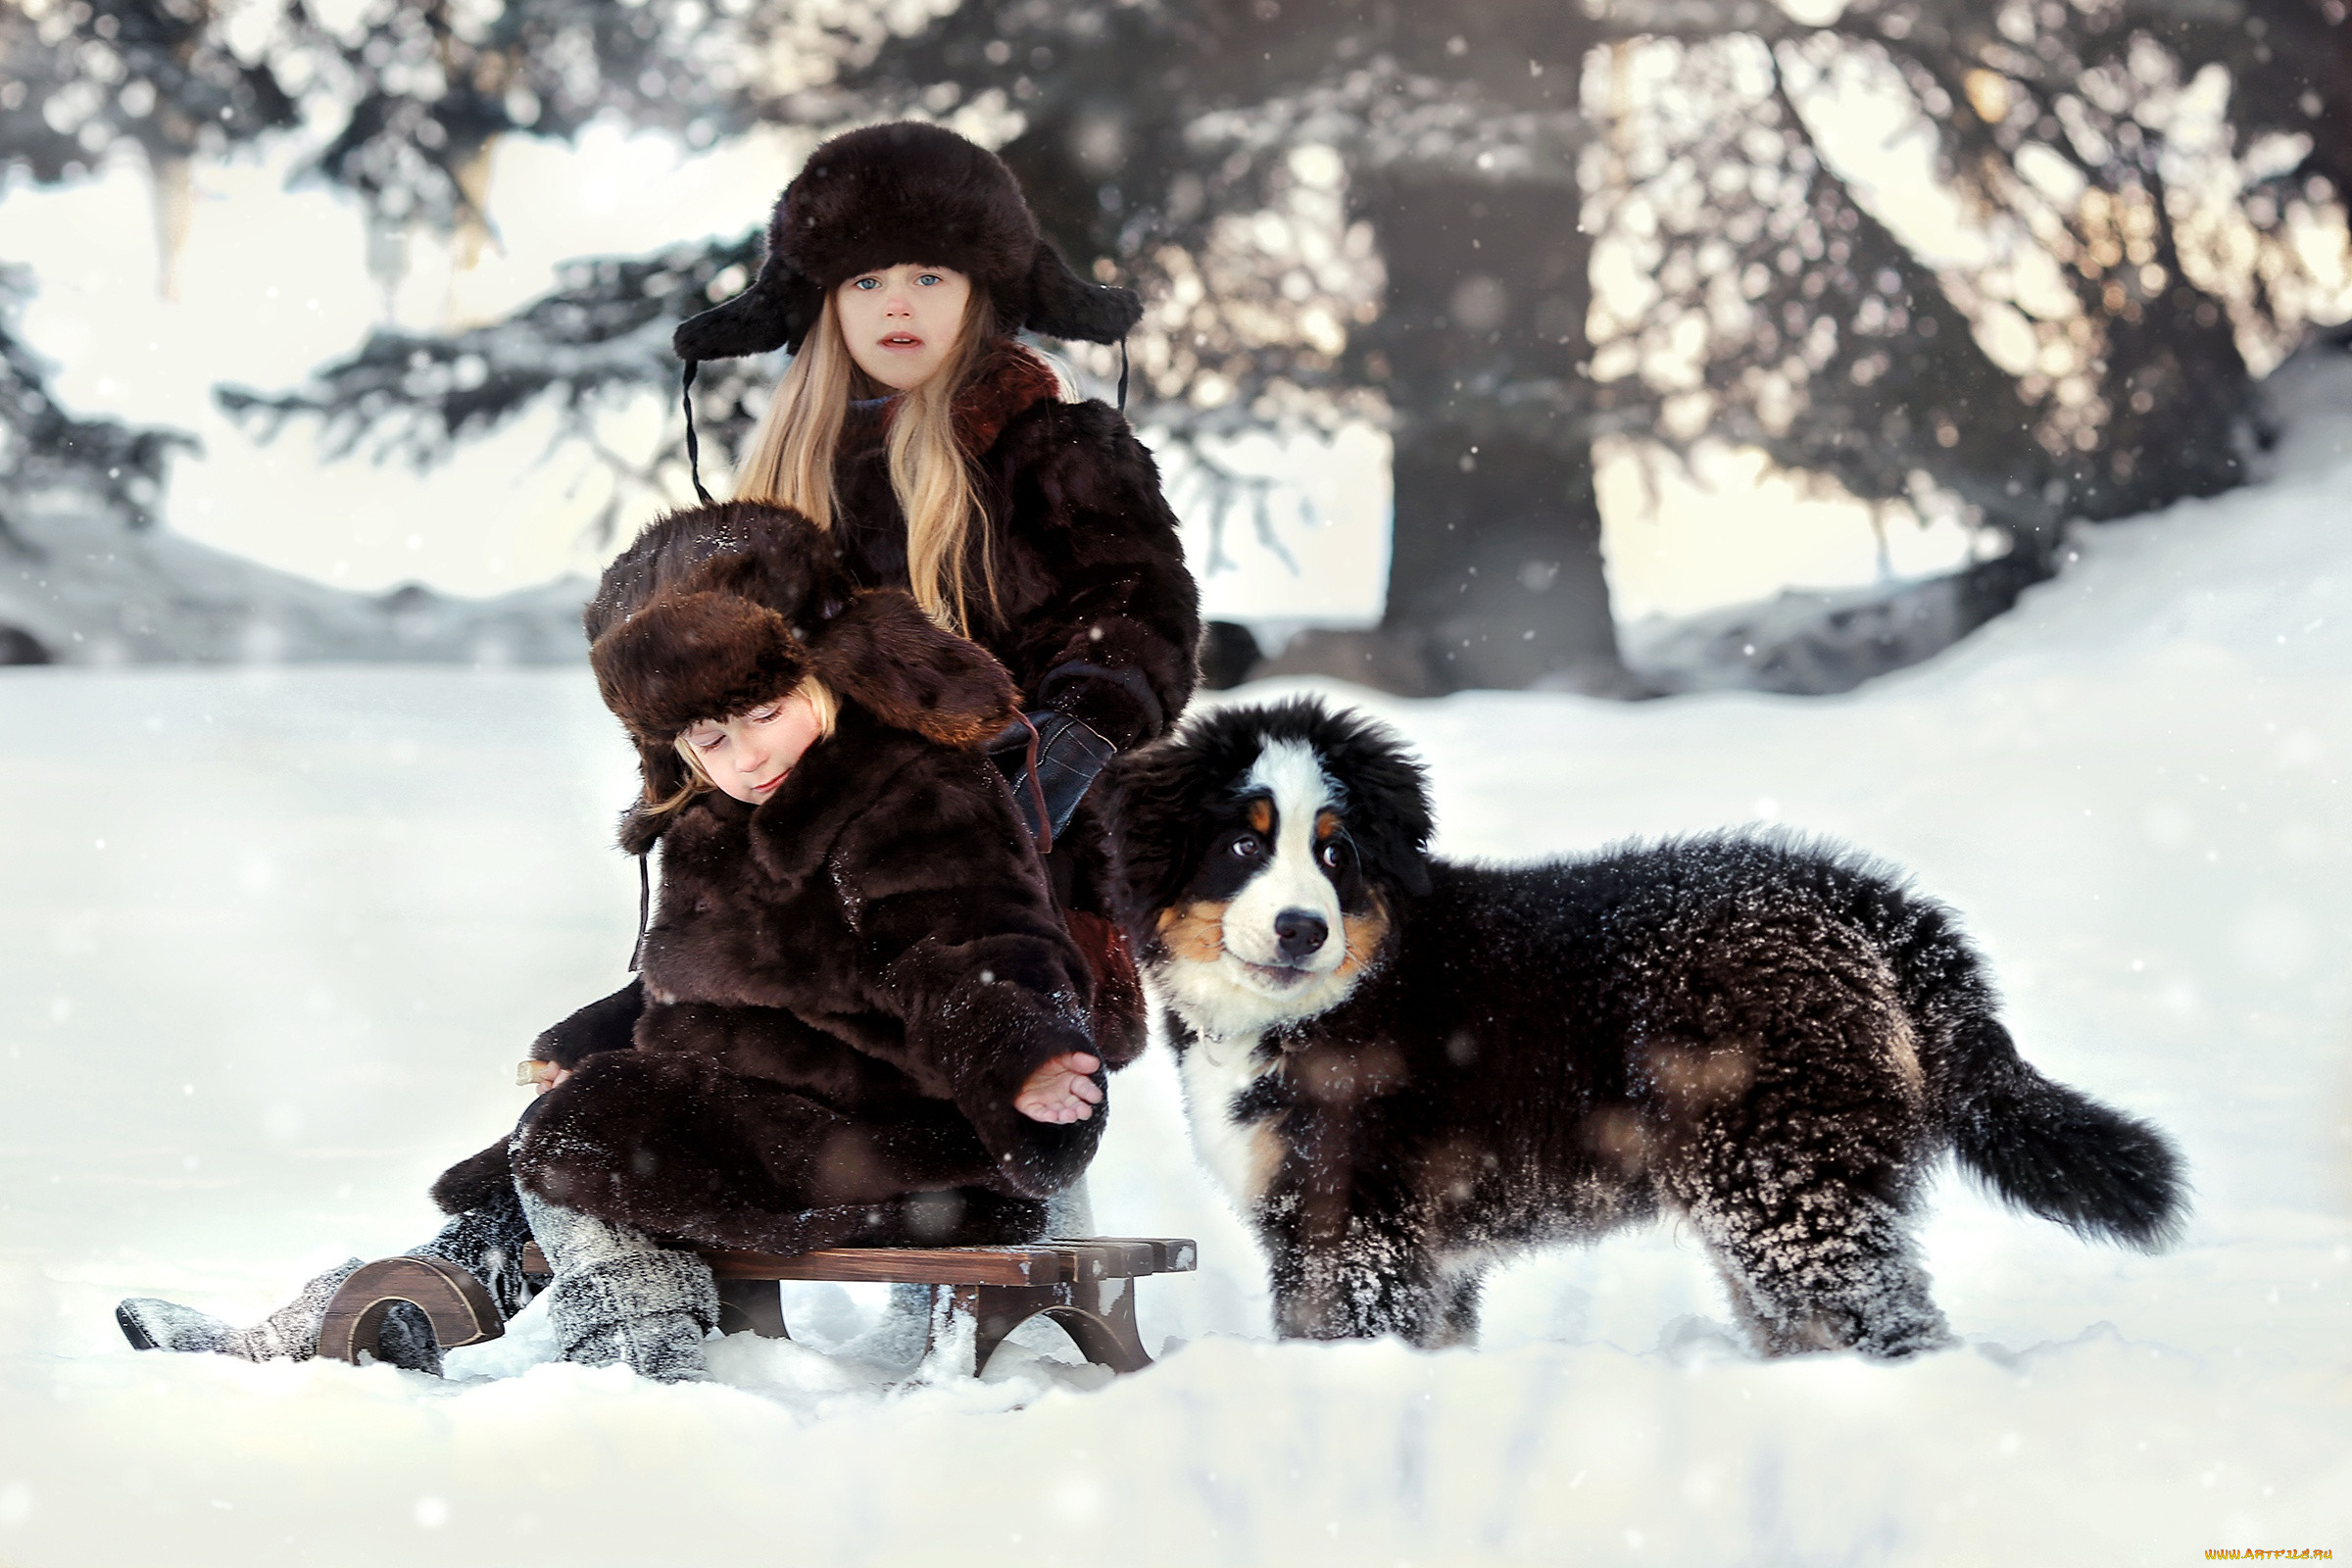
(1496, 578)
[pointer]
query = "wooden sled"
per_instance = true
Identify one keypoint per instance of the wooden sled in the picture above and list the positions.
(979, 1295)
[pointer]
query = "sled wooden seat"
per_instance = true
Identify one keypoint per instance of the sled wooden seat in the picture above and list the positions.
(979, 1295)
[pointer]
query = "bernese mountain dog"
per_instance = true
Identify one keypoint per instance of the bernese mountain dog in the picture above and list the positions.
(1404, 1069)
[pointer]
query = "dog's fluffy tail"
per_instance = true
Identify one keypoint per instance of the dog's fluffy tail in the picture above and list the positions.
(2059, 1154)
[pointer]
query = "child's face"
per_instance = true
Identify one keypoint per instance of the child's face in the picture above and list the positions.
(750, 755)
(902, 321)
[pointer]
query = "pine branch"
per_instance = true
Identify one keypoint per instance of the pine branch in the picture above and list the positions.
(43, 447)
(601, 336)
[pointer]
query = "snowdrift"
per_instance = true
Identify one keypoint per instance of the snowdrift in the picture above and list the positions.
(273, 938)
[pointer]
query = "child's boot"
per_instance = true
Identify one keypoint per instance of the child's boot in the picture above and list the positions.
(620, 1300)
(289, 1334)
(486, 1241)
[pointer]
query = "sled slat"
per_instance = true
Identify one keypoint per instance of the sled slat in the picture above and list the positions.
(1054, 1262)
(900, 1265)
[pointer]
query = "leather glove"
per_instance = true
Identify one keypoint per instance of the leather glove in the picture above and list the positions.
(1068, 755)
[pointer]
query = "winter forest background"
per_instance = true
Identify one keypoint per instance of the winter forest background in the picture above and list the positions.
(1580, 383)
(1735, 295)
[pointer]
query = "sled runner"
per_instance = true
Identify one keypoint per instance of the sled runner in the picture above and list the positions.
(979, 1295)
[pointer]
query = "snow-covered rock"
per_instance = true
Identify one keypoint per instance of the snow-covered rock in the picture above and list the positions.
(1814, 642)
(1806, 642)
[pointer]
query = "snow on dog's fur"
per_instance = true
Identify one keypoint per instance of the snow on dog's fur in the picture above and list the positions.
(1403, 1069)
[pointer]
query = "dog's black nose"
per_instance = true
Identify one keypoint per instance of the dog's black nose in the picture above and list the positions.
(1299, 934)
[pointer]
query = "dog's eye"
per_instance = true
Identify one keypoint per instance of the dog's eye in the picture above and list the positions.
(1331, 854)
(1246, 847)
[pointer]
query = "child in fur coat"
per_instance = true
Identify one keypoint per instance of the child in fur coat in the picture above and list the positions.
(864, 1021)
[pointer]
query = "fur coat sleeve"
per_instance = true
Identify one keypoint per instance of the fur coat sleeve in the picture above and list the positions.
(1112, 641)
(958, 940)
(609, 1024)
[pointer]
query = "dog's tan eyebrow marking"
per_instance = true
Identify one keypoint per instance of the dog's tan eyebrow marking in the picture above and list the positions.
(1327, 822)
(1261, 815)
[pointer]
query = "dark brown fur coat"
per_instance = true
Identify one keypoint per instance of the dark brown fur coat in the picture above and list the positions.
(847, 985)
(1097, 615)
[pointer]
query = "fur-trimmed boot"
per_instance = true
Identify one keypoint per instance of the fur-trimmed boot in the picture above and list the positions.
(621, 1299)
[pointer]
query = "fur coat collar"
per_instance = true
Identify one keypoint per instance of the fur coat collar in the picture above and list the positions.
(1009, 380)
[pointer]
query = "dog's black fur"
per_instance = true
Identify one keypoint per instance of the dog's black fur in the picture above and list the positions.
(1773, 1040)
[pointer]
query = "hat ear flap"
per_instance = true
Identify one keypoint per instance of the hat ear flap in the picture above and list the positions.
(891, 660)
(663, 770)
(665, 774)
(775, 312)
(1063, 305)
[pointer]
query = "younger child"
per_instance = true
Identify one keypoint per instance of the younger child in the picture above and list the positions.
(863, 1020)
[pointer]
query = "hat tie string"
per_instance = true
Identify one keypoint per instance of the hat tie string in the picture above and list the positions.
(694, 448)
(645, 890)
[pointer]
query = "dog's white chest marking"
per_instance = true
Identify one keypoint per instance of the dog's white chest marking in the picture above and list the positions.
(1251, 984)
(1241, 1157)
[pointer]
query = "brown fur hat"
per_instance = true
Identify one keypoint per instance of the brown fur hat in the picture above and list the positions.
(906, 192)
(726, 628)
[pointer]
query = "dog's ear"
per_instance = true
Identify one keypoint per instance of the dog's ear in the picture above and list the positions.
(1155, 801)
(1388, 803)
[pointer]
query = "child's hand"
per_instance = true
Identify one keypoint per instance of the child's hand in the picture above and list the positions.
(541, 1075)
(1063, 1090)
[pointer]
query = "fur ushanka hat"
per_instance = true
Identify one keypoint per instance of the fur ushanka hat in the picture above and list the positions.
(905, 192)
(719, 608)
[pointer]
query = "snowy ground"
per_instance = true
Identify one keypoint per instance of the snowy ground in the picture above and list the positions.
(269, 943)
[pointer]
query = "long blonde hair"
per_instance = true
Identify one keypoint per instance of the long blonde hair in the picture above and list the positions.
(791, 457)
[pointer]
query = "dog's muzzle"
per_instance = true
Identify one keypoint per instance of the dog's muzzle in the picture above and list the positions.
(1298, 935)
